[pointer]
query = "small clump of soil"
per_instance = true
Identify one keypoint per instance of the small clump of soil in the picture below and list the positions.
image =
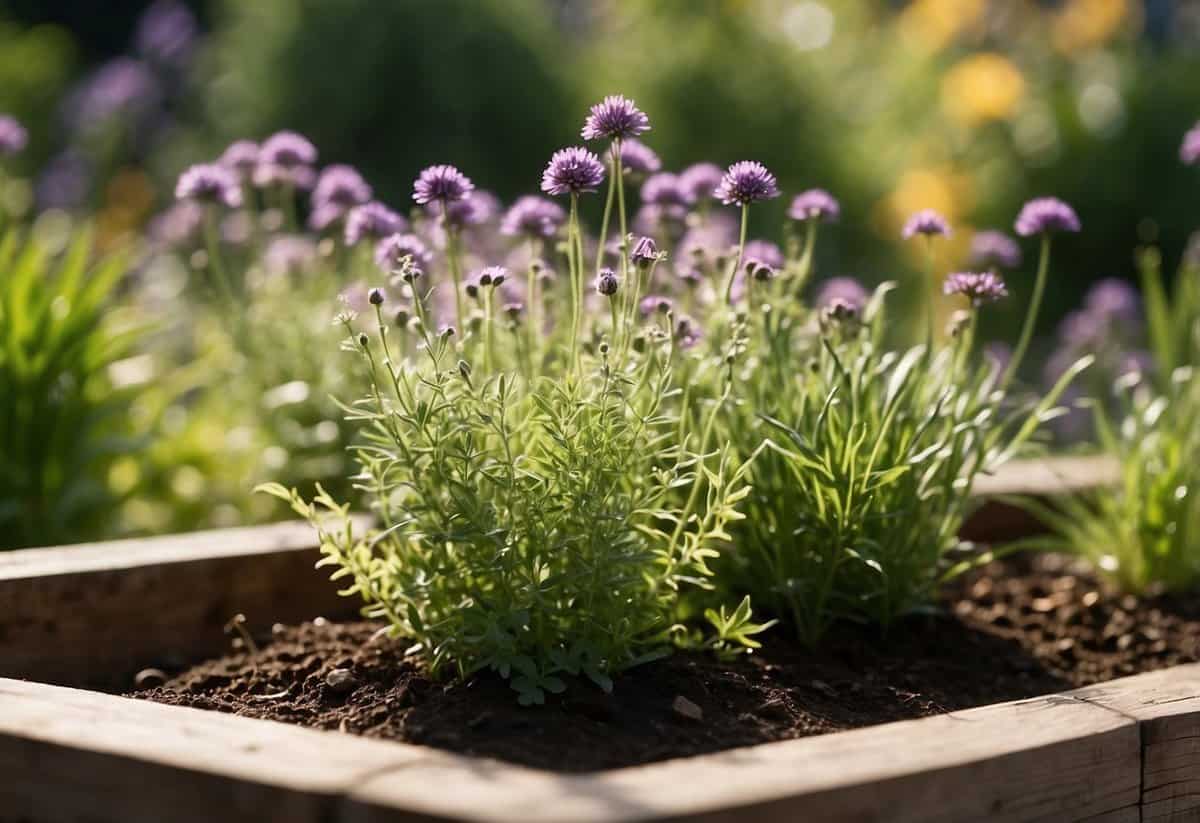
(1013, 629)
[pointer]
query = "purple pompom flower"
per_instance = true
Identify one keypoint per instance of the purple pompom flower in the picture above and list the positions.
(638, 158)
(814, 204)
(607, 283)
(978, 287)
(666, 189)
(289, 254)
(338, 189)
(763, 253)
(286, 158)
(241, 157)
(652, 303)
(476, 208)
(701, 180)
(441, 183)
(1044, 215)
(209, 183)
(572, 171)
(615, 118)
(122, 86)
(995, 249)
(391, 251)
(927, 222)
(13, 136)
(534, 217)
(1114, 300)
(746, 182)
(844, 289)
(166, 32)
(180, 226)
(1189, 150)
(372, 221)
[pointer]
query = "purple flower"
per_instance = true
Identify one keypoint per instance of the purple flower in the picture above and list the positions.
(13, 136)
(241, 156)
(927, 222)
(209, 183)
(572, 171)
(746, 182)
(846, 289)
(764, 253)
(644, 253)
(372, 221)
(701, 180)
(1189, 150)
(1114, 300)
(179, 226)
(442, 183)
(1044, 215)
(687, 332)
(286, 158)
(978, 287)
(64, 182)
(338, 188)
(166, 32)
(534, 217)
(615, 118)
(638, 158)
(289, 254)
(814, 204)
(120, 86)
(995, 249)
(391, 251)
(476, 208)
(492, 276)
(607, 283)
(652, 303)
(666, 189)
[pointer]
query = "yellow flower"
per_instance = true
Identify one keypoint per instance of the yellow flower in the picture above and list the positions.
(981, 88)
(1084, 24)
(932, 24)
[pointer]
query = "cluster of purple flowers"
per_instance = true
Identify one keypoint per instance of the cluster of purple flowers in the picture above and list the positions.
(995, 250)
(978, 287)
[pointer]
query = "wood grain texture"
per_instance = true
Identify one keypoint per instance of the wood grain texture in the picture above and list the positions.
(1166, 706)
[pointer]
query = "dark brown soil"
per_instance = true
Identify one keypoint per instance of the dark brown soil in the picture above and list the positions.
(1012, 630)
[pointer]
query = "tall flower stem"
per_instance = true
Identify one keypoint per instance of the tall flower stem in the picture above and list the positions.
(455, 270)
(488, 335)
(531, 311)
(608, 204)
(575, 263)
(930, 269)
(737, 260)
(1039, 287)
(804, 266)
(216, 264)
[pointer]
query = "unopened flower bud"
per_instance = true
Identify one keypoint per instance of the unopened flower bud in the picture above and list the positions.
(645, 253)
(363, 340)
(607, 283)
(464, 368)
(402, 318)
(375, 297)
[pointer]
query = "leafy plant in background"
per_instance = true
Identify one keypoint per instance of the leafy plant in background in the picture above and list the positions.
(1143, 530)
(62, 421)
(872, 452)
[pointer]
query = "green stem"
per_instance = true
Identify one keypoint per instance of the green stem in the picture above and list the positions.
(1039, 286)
(531, 310)
(608, 202)
(215, 263)
(737, 260)
(455, 273)
(929, 290)
(489, 338)
(576, 287)
(804, 267)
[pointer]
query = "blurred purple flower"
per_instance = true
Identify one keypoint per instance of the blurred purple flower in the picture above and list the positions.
(994, 249)
(122, 86)
(572, 171)
(845, 289)
(1115, 301)
(209, 183)
(1189, 150)
(814, 204)
(615, 117)
(763, 252)
(394, 248)
(746, 182)
(476, 208)
(13, 136)
(338, 189)
(978, 287)
(166, 32)
(65, 181)
(666, 189)
(687, 332)
(179, 226)
(286, 158)
(652, 303)
(241, 156)
(638, 158)
(443, 183)
(927, 222)
(289, 254)
(534, 217)
(1044, 215)
(701, 180)
(372, 221)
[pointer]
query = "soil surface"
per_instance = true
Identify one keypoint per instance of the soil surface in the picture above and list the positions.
(1014, 629)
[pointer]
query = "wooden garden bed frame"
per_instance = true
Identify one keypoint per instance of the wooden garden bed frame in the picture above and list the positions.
(1127, 750)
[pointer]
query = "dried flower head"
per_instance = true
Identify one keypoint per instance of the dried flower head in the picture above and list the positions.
(209, 183)
(13, 136)
(441, 183)
(615, 118)
(927, 222)
(814, 204)
(1189, 149)
(1044, 215)
(701, 180)
(372, 221)
(978, 287)
(607, 283)
(995, 249)
(534, 217)
(572, 171)
(638, 158)
(746, 182)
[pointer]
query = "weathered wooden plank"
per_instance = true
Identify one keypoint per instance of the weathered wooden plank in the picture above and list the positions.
(1166, 705)
(71, 755)
(1052, 759)
(95, 614)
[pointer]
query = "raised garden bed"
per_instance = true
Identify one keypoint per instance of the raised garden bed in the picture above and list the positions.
(93, 616)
